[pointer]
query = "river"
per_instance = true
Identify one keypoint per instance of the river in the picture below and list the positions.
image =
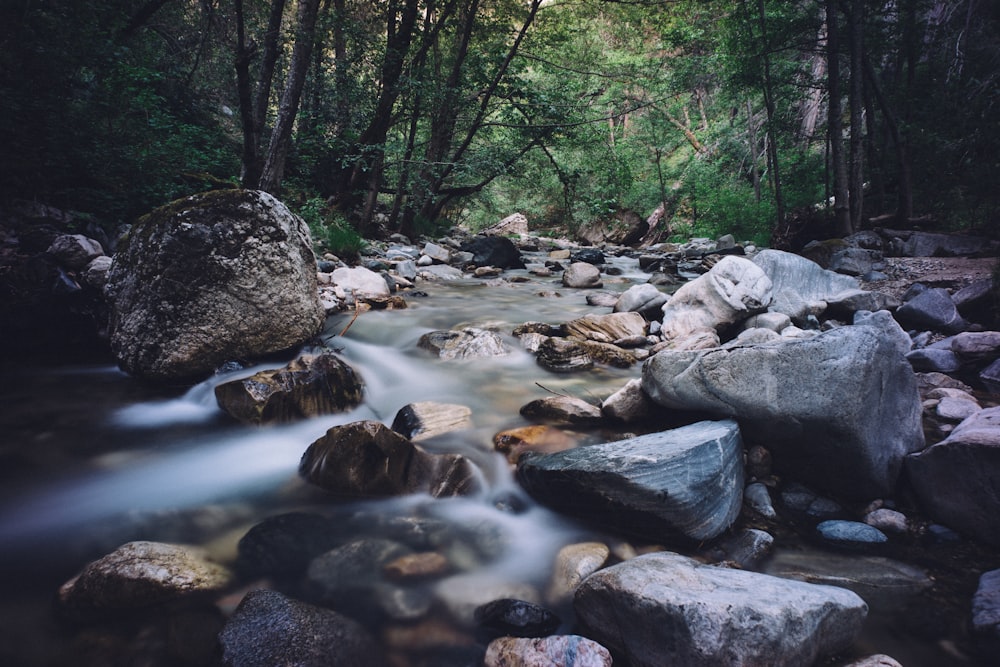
(92, 458)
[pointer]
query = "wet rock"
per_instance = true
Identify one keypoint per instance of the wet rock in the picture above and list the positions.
(467, 343)
(609, 353)
(347, 576)
(845, 429)
(883, 583)
(573, 564)
(602, 299)
(139, 575)
(361, 282)
(582, 274)
(367, 459)
(536, 438)
(407, 269)
(308, 386)
(414, 567)
(958, 479)
(283, 545)
(932, 309)
(666, 609)
(562, 410)
(628, 404)
(607, 328)
(562, 356)
(515, 618)
(685, 484)
(802, 500)
(498, 251)
(269, 629)
(850, 534)
(641, 298)
(545, 652)
(758, 498)
(589, 256)
(462, 594)
(745, 549)
(986, 612)
(227, 274)
(427, 419)
(733, 290)
(75, 251)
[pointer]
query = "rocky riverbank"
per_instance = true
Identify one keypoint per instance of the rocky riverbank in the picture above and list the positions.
(844, 421)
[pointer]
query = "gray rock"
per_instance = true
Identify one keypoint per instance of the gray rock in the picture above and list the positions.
(562, 410)
(972, 297)
(758, 499)
(854, 261)
(931, 309)
(990, 377)
(888, 520)
(850, 534)
(270, 629)
(950, 408)
(361, 282)
(427, 419)
(582, 274)
(284, 544)
(407, 268)
(573, 564)
(439, 272)
(976, 346)
(497, 251)
(347, 576)
(227, 274)
(602, 299)
(849, 302)
(771, 321)
(927, 244)
(802, 276)
(958, 479)
(438, 254)
(607, 328)
(934, 360)
(883, 583)
(140, 575)
(803, 500)
(462, 594)
(308, 386)
(986, 612)
(685, 484)
(628, 404)
(666, 609)
(879, 660)
(515, 224)
(640, 299)
(367, 459)
(75, 251)
(466, 343)
(734, 289)
(845, 429)
(567, 650)
(515, 618)
(747, 548)
(96, 272)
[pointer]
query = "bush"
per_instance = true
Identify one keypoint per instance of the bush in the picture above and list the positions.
(330, 230)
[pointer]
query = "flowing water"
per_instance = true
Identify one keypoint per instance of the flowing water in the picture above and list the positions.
(92, 458)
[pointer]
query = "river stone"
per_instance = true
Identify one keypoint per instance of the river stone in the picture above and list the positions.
(667, 609)
(573, 564)
(563, 356)
(462, 594)
(582, 274)
(641, 298)
(222, 275)
(607, 328)
(437, 253)
(352, 570)
(498, 251)
(417, 566)
(850, 534)
(806, 278)
(308, 386)
(628, 404)
(562, 410)
(439, 272)
(990, 377)
(609, 353)
(428, 419)
(956, 409)
(888, 520)
(589, 256)
(883, 583)
(854, 261)
(929, 244)
(515, 618)
(467, 343)
(270, 629)
(770, 321)
(758, 498)
(75, 251)
(958, 479)
(734, 289)
(139, 575)
(976, 346)
(986, 612)
(557, 650)
(845, 429)
(934, 360)
(514, 224)
(361, 282)
(367, 459)
(96, 272)
(283, 545)
(932, 309)
(685, 484)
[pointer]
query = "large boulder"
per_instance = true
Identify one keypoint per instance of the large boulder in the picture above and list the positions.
(309, 386)
(799, 283)
(667, 609)
(498, 251)
(368, 459)
(683, 485)
(269, 629)
(839, 410)
(733, 290)
(958, 479)
(222, 275)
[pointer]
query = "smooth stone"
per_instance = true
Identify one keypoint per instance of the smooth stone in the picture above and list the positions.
(888, 521)
(581, 274)
(803, 500)
(772, 321)
(990, 377)
(956, 409)
(602, 299)
(628, 404)
(75, 251)
(427, 419)
(850, 534)
(467, 343)
(607, 328)
(931, 309)
(986, 612)
(417, 566)
(640, 298)
(554, 651)
(801, 276)
(515, 618)
(498, 251)
(879, 660)
(563, 356)
(439, 271)
(96, 272)
(573, 564)
(976, 346)
(746, 549)
(270, 629)
(361, 282)
(666, 609)
(684, 484)
(283, 545)
(535, 438)
(407, 268)
(562, 410)
(437, 253)
(462, 594)
(934, 360)
(758, 498)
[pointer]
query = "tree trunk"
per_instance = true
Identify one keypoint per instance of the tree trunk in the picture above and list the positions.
(281, 137)
(904, 206)
(857, 123)
(835, 128)
(754, 144)
(772, 146)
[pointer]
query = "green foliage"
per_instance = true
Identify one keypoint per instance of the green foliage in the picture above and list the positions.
(330, 230)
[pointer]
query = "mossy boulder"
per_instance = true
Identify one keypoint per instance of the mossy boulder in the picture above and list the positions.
(221, 275)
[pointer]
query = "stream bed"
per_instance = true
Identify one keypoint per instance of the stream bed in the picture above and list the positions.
(92, 458)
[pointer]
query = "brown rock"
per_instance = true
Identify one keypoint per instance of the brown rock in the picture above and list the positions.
(536, 438)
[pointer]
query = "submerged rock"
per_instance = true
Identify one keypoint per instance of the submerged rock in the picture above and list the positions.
(666, 609)
(562, 410)
(515, 618)
(308, 386)
(226, 274)
(427, 419)
(683, 485)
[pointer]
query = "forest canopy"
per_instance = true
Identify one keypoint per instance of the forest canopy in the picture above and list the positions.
(369, 117)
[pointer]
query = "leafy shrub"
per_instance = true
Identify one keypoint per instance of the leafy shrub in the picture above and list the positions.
(330, 230)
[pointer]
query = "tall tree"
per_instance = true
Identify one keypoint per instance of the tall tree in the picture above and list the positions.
(835, 127)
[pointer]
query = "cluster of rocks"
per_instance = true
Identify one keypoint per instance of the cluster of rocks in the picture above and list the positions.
(771, 389)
